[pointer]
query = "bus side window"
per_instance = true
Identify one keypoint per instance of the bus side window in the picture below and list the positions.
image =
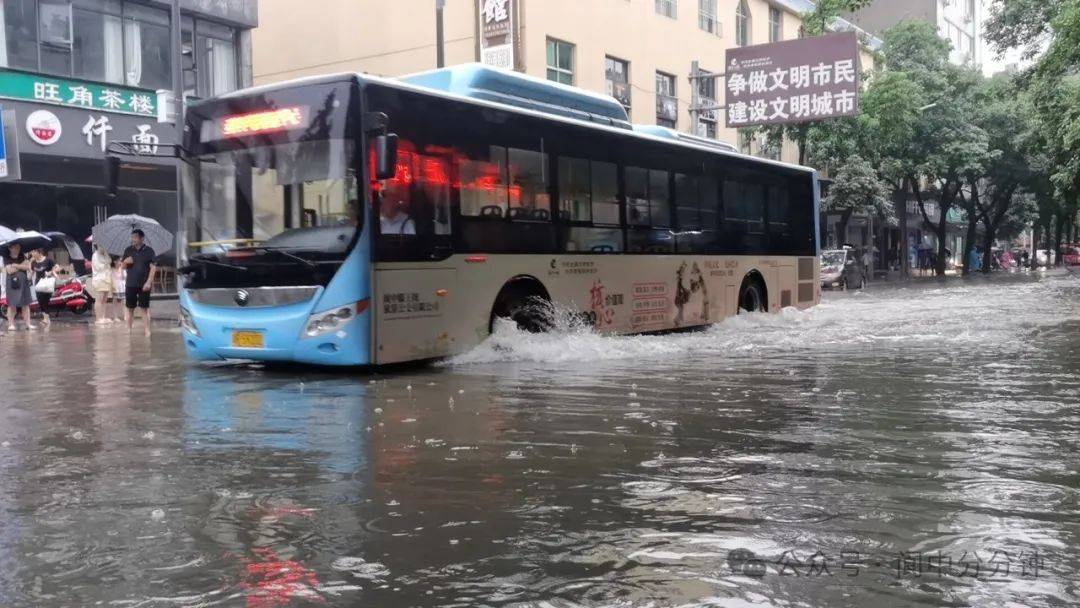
(687, 197)
(779, 222)
(575, 194)
(637, 196)
(529, 199)
(484, 187)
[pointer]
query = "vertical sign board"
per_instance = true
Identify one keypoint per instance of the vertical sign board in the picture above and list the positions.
(793, 81)
(3, 148)
(497, 33)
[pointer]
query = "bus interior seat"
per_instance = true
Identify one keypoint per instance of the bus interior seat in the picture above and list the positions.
(491, 211)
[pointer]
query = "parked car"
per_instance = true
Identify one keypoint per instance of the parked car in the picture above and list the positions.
(842, 268)
(1070, 256)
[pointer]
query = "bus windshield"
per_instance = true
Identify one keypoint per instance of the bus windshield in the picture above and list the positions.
(298, 196)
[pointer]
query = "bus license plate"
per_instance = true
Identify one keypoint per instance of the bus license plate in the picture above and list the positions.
(247, 339)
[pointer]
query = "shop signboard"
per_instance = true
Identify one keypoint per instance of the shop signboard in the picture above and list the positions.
(497, 33)
(42, 89)
(77, 133)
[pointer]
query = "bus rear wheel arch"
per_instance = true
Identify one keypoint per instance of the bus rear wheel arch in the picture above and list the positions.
(524, 300)
(753, 295)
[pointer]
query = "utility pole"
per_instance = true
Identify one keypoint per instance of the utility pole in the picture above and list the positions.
(440, 38)
(696, 106)
(177, 49)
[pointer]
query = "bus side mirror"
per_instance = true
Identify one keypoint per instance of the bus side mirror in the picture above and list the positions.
(112, 175)
(385, 156)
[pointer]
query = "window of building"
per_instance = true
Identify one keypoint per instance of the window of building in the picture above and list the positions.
(98, 43)
(213, 55)
(55, 36)
(667, 8)
(707, 97)
(667, 103)
(742, 24)
(146, 47)
(707, 16)
(21, 34)
(776, 24)
(560, 61)
(617, 74)
(102, 40)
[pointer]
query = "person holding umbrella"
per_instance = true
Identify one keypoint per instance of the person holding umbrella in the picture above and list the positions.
(141, 239)
(141, 263)
(17, 269)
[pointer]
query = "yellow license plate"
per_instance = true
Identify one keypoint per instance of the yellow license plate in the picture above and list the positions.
(247, 339)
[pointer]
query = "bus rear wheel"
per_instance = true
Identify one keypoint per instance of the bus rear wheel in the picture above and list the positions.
(752, 295)
(526, 303)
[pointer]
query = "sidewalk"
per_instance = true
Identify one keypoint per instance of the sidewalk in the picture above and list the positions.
(163, 308)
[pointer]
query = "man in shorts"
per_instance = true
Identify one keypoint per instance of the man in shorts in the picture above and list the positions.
(139, 259)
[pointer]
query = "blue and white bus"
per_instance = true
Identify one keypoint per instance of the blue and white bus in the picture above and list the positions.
(354, 220)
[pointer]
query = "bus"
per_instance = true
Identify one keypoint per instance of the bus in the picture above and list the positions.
(355, 220)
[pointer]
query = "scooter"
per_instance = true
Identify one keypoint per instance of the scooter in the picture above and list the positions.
(71, 295)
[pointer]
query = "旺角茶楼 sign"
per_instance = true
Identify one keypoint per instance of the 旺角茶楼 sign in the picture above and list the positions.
(75, 94)
(793, 81)
(497, 33)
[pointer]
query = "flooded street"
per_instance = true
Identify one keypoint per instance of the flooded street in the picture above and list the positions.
(896, 447)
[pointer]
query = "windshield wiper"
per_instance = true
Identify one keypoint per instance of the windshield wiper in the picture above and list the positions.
(216, 263)
(310, 264)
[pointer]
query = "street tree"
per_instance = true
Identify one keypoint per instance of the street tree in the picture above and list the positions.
(1054, 88)
(857, 187)
(1003, 111)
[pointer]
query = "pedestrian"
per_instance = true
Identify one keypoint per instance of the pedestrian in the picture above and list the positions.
(17, 268)
(141, 265)
(868, 264)
(44, 281)
(119, 285)
(101, 284)
(975, 260)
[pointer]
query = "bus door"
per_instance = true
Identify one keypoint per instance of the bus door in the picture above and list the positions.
(415, 279)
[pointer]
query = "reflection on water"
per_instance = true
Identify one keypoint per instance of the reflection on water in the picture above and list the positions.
(912, 447)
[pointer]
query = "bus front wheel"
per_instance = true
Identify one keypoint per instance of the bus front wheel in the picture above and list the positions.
(526, 303)
(752, 295)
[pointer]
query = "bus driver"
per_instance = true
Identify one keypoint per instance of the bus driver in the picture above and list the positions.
(393, 218)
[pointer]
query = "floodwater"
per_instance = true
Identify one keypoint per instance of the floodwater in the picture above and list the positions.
(894, 447)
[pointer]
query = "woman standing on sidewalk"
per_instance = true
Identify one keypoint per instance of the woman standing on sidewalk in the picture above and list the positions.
(101, 283)
(44, 269)
(18, 285)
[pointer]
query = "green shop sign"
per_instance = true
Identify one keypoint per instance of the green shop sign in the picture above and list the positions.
(76, 94)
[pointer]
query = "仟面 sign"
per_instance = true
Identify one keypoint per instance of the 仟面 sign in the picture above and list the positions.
(793, 81)
(497, 33)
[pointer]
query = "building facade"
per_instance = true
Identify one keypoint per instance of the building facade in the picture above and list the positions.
(638, 51)
(76, 75)
(958, 21)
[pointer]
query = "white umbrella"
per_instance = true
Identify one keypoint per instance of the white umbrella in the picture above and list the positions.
(7, 234)
(29, 239)
(114, 234)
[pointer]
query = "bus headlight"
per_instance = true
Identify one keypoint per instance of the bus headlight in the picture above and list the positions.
(326, 322)
(187, 323)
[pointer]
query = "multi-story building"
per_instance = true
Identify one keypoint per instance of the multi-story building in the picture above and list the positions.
(958, 21)
(638, 51)
(76, 75)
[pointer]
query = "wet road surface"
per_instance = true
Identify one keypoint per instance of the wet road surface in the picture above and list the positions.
(901, 447)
